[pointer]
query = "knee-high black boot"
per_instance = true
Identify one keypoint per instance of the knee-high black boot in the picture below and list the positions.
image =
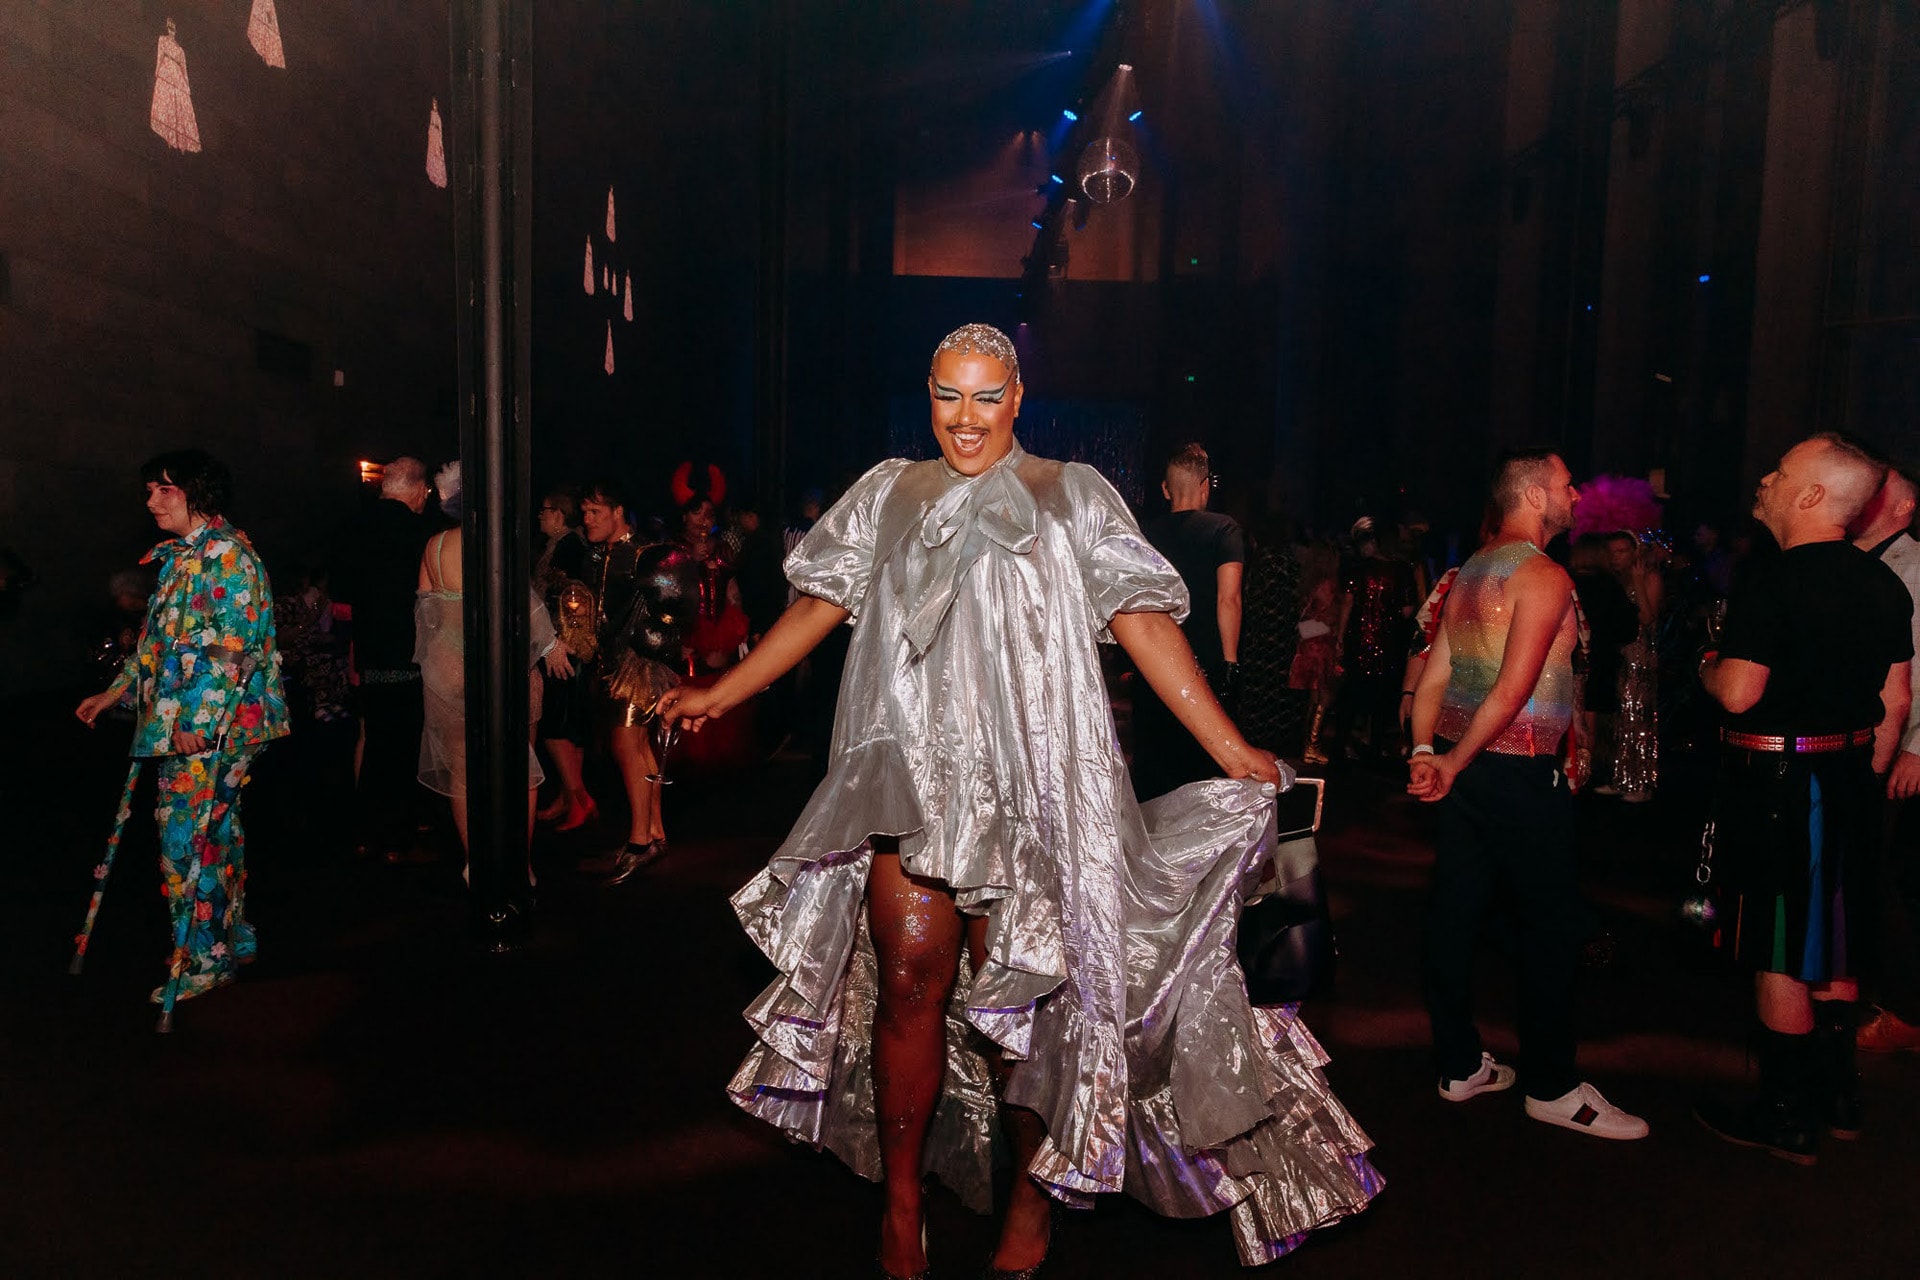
(1837, 1077)
(1783, 1119)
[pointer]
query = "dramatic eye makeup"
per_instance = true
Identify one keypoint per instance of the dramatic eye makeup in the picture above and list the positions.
(993, 395)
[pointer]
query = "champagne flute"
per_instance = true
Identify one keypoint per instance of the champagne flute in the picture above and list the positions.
(665, 733)
(1716, 621)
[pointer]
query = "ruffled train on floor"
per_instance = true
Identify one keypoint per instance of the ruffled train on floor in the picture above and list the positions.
(1199, 1103)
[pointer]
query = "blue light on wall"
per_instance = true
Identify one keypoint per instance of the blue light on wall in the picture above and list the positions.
(1704, 277)
(1038, 226)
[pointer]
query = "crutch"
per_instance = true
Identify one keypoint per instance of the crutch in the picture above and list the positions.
(101, 872)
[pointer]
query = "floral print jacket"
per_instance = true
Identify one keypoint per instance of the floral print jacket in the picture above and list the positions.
(206, 660)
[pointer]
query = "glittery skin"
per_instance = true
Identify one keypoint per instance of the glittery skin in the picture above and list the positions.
(1476, 621)
(983, 339)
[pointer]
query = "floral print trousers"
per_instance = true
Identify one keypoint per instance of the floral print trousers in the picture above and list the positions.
(203, 863)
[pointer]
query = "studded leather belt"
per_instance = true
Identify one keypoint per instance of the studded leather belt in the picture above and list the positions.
(1820, 744)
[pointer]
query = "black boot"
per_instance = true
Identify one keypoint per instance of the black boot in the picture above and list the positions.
(1837, 1076)
(1781, 1119)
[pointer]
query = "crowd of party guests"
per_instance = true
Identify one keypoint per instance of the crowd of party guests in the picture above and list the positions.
(1316, 642)
(370, 653)
(1329, 633)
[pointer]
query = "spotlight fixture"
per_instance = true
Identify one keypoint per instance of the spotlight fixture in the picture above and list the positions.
(1135, 117)
(1056, 179)
(1039, 225)
(1704, 277)
(1070, 114)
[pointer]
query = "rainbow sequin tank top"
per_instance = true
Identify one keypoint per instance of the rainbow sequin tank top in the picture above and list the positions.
(1476, 618)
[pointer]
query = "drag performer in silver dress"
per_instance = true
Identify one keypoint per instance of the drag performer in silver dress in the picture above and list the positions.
(977, 793)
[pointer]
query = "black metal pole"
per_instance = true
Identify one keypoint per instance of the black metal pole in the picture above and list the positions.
(492, 128)
(770, 362)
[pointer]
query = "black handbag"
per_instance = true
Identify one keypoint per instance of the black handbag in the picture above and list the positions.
(1285, 943)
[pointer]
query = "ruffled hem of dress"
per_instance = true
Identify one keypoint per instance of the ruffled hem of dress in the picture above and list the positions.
(1303, 1167)
(1245, 1122)
(799, 908)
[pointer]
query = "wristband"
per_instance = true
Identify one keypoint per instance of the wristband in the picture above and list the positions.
(1424, 749)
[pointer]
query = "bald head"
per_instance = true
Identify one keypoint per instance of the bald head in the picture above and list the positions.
(1890, 512)
(405, 480)
(1820, 486)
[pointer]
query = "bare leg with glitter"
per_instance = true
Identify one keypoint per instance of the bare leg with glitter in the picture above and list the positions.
(916, 933)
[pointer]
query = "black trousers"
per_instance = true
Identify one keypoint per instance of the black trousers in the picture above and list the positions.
(1893, 968)
(389, 795)
(1506, 830)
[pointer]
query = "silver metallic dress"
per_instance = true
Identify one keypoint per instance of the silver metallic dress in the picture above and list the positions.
(974, 726)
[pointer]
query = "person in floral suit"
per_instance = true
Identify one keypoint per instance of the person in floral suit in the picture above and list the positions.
(204, 686)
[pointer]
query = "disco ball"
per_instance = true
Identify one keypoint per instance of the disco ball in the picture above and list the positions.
(1109, 169)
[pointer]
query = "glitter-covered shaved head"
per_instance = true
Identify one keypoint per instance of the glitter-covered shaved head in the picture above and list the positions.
(983, 339)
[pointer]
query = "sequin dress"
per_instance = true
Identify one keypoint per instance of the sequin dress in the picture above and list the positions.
(973, 724)
(1636, 736)
(1383, 594)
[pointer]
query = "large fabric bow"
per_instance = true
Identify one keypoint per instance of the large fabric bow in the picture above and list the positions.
(996, 508)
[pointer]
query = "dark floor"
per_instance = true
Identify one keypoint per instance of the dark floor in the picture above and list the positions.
(376, 1099)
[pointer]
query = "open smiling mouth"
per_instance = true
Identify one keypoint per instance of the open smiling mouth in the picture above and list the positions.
(968, 444)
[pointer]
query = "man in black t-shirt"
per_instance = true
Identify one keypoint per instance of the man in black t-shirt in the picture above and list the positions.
(1813, 671)
(377, 577)
(1209, 552)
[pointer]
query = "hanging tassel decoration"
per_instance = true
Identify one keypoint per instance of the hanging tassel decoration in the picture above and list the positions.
(616, 286)
(172, 115)
(609, 361)
(263, 33)
(586, 276)
(609, 215)
(606, 278)
(436, 147)
(627, 300)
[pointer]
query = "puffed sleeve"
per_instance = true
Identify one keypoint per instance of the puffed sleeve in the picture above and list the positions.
(1120, 569)
(834, 561)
